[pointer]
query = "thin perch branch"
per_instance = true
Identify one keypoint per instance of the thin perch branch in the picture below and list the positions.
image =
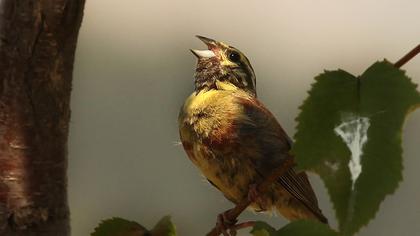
(233, 213)
(407, 57)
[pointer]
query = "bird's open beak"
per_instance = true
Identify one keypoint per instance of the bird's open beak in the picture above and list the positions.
(203, 53)
(211, 44)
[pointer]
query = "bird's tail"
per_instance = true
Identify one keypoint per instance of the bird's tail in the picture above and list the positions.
(293, 209)
(298, 200)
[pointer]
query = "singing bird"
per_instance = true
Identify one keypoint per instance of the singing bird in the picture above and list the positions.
(235, 140)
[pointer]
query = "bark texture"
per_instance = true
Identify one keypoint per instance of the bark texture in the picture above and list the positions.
(37, 44)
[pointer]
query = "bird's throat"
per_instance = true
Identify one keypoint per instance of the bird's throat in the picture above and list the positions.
(207, 73)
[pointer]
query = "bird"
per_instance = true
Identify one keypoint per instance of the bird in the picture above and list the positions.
(235, 141)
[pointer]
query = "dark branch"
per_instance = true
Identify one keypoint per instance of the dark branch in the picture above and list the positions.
(407, 57)
(37, 45)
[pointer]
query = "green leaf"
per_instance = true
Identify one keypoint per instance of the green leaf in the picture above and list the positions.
(164, 227)
(122, 227)
(296, 228)
(119, 227)
(306, 228)
(349, 132)
(262, 229)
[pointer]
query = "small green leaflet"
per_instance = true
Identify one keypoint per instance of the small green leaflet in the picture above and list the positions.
(349, 132)
(296, 228)
(121, 227)
(164, 228)
(262, 229)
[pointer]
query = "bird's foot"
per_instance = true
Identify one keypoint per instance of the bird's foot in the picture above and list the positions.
(245, 224)
(227, 227)
(224, 224)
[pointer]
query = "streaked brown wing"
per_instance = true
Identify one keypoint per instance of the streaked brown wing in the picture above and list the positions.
(274, 145)
(299, 187)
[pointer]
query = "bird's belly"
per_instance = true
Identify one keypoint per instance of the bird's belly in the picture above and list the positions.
(230, 176)
(230, 173)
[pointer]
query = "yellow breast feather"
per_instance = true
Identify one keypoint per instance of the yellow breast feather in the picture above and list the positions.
(210, 110)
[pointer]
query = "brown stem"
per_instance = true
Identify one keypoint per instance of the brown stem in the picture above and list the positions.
(407, 57)
(244, 225)
(234, 213)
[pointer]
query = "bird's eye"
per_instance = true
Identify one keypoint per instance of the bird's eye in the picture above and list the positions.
(234, 56)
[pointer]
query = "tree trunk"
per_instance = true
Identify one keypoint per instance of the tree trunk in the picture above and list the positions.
(37, 45)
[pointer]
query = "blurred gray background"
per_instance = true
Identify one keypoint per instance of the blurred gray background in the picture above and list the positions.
(134, 69)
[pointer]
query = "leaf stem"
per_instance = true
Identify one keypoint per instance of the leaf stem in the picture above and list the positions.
(407, 57)
(233, 213)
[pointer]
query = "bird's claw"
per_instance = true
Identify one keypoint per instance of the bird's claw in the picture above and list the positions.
(224, 224)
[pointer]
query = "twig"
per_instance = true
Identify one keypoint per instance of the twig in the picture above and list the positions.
(407, 57)
(233, 213)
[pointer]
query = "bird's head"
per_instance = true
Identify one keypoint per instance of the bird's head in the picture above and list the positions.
(223, 63)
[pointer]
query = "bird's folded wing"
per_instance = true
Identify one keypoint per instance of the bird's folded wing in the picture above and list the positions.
(273, 146)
